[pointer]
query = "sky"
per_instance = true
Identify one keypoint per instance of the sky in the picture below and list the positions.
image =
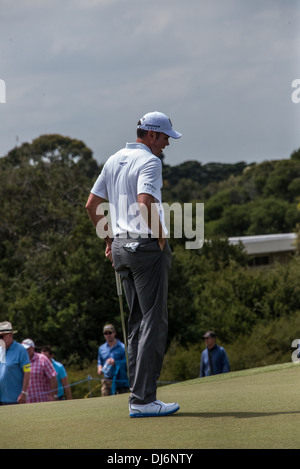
(222, 70)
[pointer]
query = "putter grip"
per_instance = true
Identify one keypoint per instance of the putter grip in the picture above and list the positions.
(119, 284)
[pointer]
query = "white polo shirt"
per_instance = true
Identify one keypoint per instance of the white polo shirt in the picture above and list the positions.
(131, 171)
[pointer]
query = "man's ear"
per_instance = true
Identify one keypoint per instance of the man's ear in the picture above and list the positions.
(152, 135)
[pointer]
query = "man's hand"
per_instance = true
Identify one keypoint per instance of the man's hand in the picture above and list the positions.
(111, 361)
(22, 398)
(108, 252)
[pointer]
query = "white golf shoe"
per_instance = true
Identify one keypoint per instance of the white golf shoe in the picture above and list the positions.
(153, 409)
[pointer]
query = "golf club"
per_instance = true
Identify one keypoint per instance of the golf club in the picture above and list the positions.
(119, 290)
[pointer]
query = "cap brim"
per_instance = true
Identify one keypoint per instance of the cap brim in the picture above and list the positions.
(172, 133)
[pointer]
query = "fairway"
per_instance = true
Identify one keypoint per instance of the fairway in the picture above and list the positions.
(258, 408)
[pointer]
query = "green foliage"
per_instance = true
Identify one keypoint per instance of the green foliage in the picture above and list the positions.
(57, 287)
(239, 200)
(267, 344)
(181, 363)
(84, 381)
(296, 155)
(262, 200)
(187, 181)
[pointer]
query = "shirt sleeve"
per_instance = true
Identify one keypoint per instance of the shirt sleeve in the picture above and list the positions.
(100, 358)
(24, 360)
(62, 372)
(100, 188)
(150, 179)
(49, 369)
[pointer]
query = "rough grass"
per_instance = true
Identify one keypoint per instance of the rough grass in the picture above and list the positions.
(257, 408)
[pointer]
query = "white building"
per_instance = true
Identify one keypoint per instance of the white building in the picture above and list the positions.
(266, 249)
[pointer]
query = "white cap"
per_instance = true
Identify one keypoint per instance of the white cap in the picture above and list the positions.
(158, 122)
(27, 343)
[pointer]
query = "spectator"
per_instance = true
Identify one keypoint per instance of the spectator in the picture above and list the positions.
(43, 382)
(64, 390)
(14, 368)
(112, 363)
(214, 359)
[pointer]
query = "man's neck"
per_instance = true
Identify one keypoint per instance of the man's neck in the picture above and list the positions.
(210, 347)
(8, 345)
(112, 343)
(144, 142)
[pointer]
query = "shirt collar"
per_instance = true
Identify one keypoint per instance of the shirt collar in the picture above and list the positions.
(109, 347)
(11, 346)
(137, 145)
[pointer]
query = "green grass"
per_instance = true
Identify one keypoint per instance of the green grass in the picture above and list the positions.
(257, 408)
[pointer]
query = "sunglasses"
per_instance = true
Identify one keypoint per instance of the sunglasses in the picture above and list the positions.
(107, 333)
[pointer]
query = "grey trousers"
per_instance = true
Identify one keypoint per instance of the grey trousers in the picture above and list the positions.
(144, 275)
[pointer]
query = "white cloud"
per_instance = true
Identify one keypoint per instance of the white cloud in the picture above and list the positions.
(89, 69)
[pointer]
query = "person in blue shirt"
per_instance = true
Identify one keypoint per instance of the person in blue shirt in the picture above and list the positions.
(112, 363)
(63, 387)
(214, 360)
(14, 368)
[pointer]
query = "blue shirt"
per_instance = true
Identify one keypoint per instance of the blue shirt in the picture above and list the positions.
(12, 372)
(119, 371)
(61, 373)
(219, 360)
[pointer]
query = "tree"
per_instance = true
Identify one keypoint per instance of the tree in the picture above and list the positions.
(51, 278)
(280, 181)
(52, 148)
(295, 155)
(57, 286)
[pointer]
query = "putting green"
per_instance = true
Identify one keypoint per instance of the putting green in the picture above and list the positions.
(256, 408)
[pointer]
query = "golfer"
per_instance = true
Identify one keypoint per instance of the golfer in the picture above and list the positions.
(131, 180)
